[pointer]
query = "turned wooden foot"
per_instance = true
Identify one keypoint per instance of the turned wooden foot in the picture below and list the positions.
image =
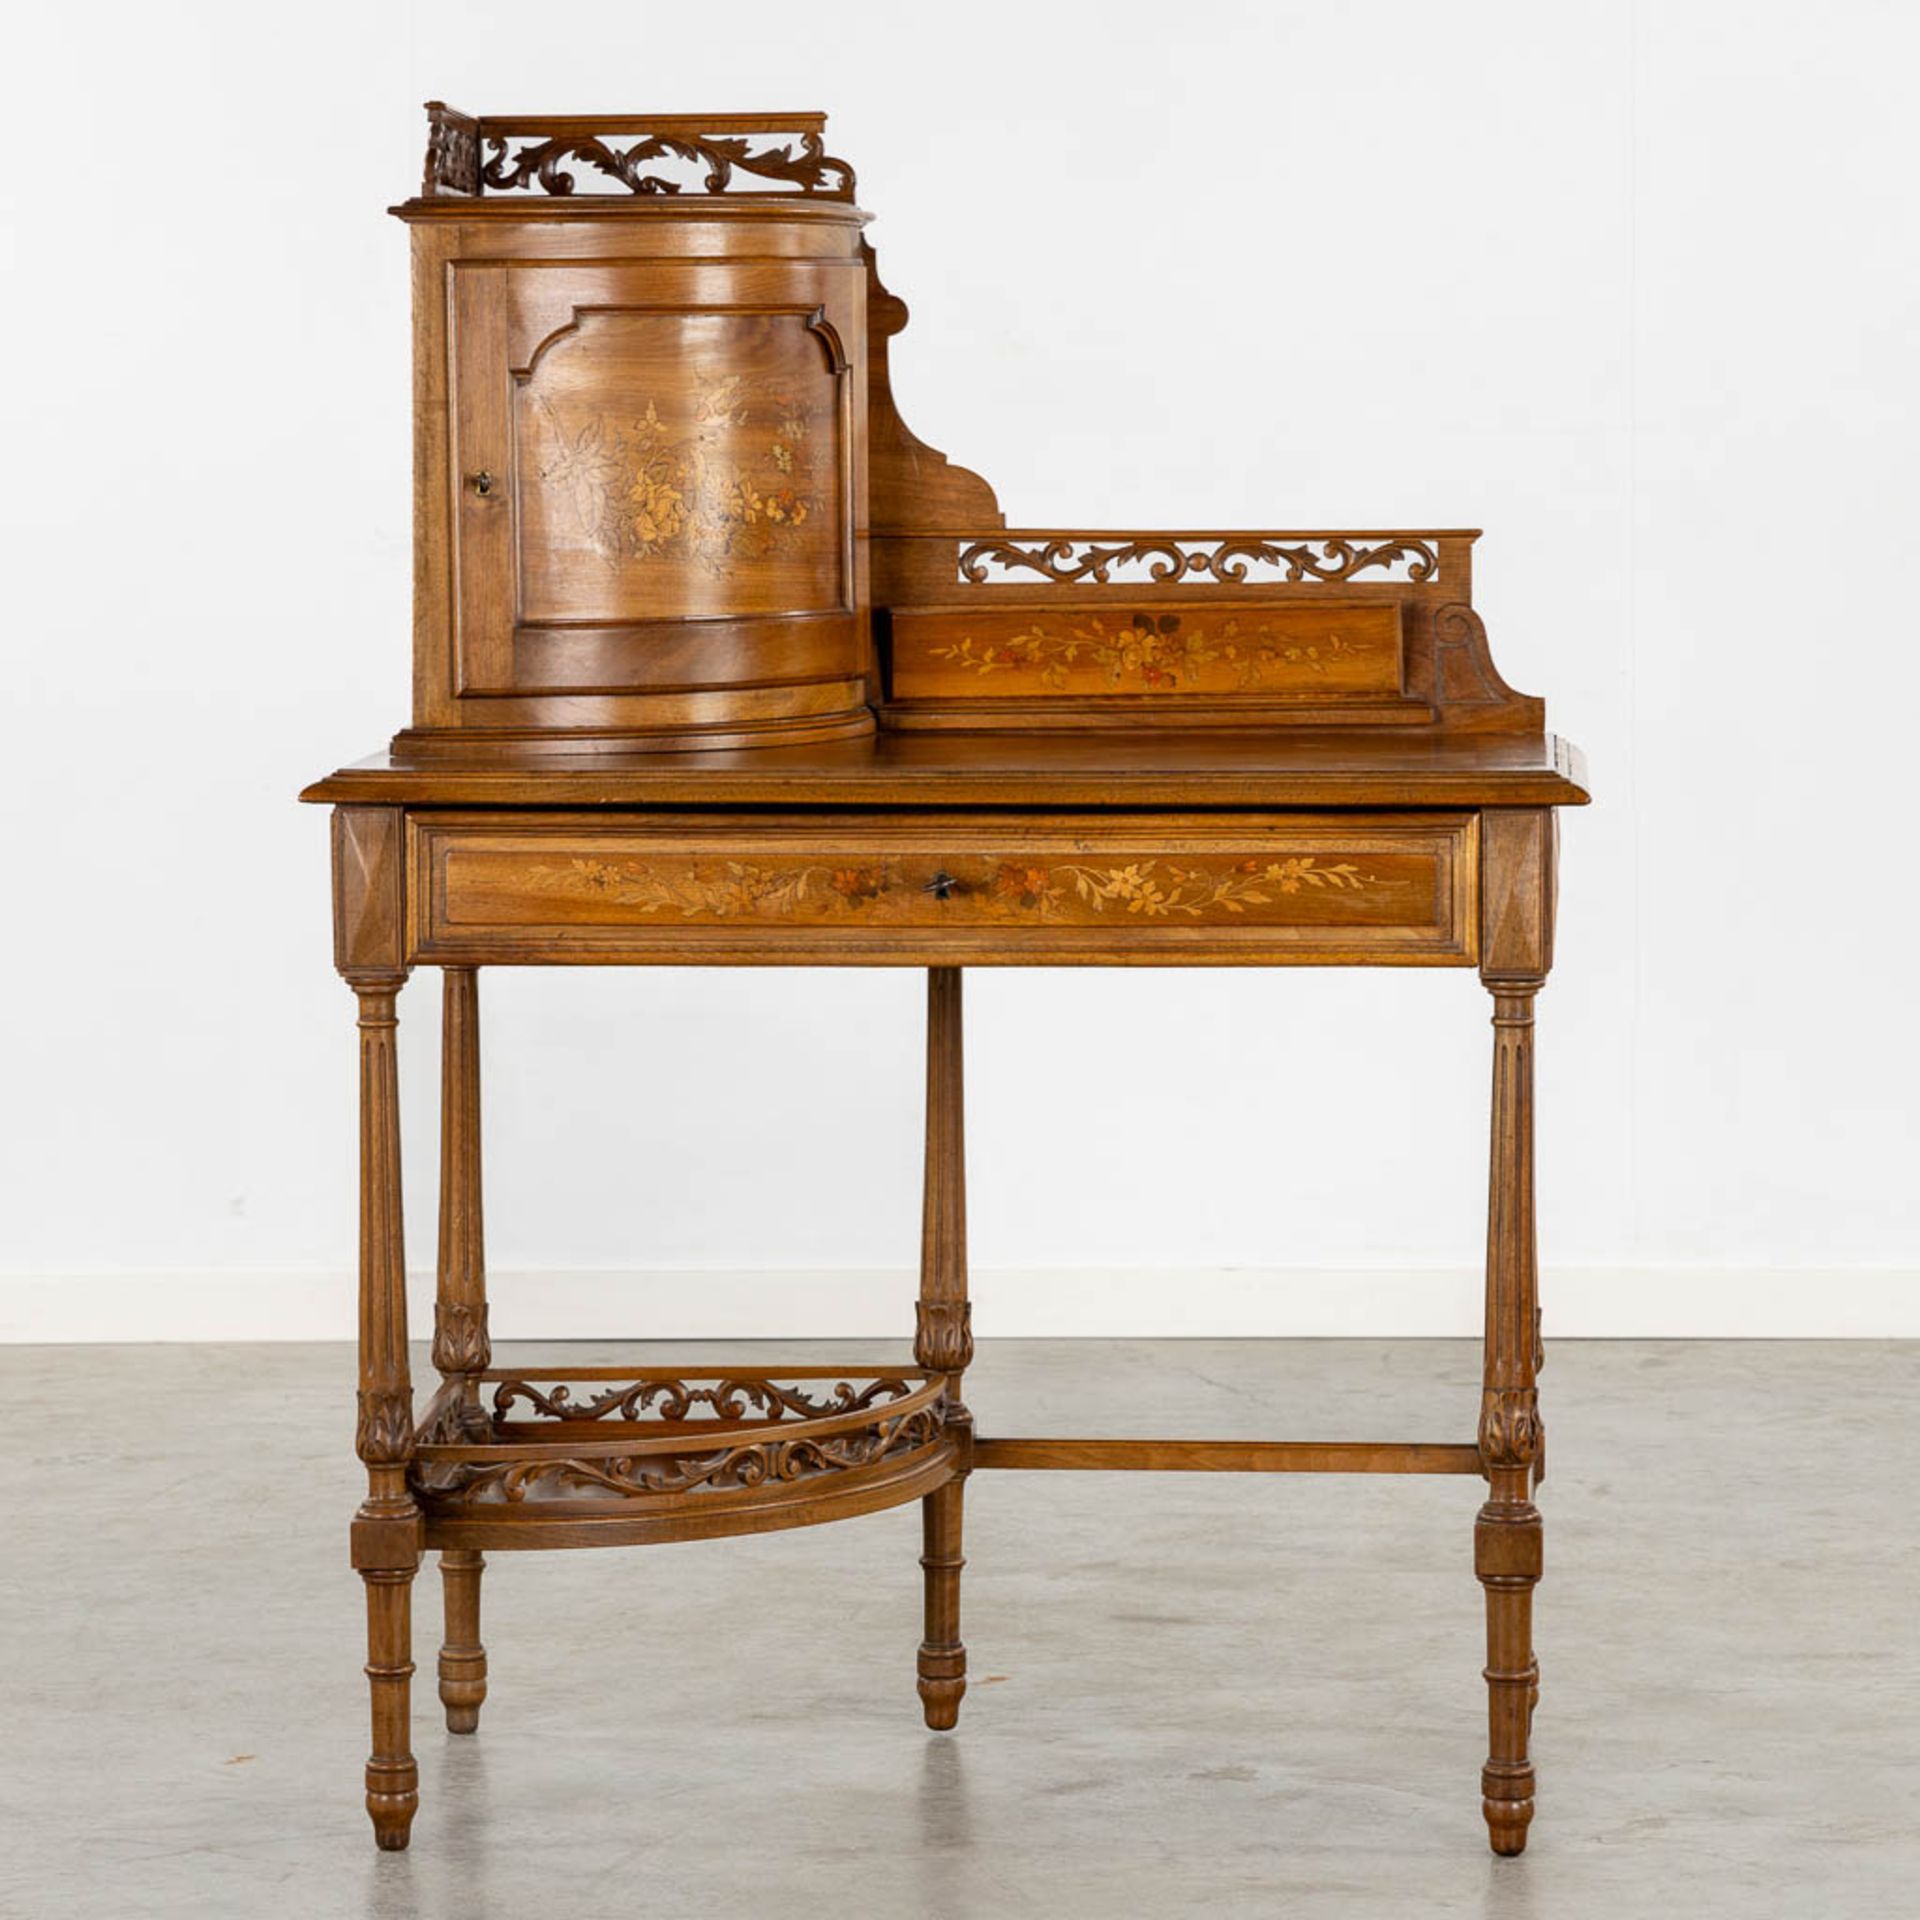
(393, 1778)
(463, 1660)
(1507, 1559)
(943, 1659)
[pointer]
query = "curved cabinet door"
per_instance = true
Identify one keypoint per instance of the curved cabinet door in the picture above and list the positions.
(659, 497)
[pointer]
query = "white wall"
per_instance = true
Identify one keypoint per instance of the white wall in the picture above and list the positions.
(1632, 287)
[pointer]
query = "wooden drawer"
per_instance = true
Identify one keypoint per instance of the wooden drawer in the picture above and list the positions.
(1152, 889)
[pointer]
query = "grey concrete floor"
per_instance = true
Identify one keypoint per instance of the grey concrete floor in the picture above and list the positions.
(1191, 1694)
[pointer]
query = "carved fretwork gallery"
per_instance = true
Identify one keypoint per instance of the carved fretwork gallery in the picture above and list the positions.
(716, 663)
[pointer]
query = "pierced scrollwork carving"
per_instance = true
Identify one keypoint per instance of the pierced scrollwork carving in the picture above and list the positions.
(943, 1334)
(383, 1431)
(455, 1421)
(676, 1400)
(460, 1342)
(707, 1433)
(802, 165)
(749, 1465)
(1168, 558)
(1510, 1429)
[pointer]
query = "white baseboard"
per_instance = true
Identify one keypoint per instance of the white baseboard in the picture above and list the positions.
(1591, 1303)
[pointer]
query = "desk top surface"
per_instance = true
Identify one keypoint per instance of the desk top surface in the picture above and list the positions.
(1318, 767)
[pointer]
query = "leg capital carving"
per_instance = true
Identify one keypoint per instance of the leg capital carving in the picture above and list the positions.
(383, 1433)
(1510, 1430)
(460, 1340)
(943, 1334)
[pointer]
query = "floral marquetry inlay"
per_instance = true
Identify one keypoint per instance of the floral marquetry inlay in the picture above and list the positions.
(728, 481)
(922, 891)
(727, 891)
(1158, 888)
(1154, 653)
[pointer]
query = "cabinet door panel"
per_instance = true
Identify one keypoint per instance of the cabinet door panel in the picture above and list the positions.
(641, 449)
(670, 465)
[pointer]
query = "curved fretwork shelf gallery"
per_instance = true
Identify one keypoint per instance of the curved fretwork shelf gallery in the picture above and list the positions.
(715, 662)
(625, 1455)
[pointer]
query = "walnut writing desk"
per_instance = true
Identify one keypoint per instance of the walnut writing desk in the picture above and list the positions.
(715, 663)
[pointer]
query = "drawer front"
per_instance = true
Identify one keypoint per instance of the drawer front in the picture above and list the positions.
(1255, 889)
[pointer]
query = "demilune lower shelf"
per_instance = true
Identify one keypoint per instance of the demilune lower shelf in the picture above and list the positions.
(609, 1456)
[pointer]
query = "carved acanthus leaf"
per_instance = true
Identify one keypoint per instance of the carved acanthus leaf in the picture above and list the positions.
(383, 1432)
(460, 1342)
(943, 1334)
(1510, 1432)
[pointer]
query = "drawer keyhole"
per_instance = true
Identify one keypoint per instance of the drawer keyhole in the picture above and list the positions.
(942, 885)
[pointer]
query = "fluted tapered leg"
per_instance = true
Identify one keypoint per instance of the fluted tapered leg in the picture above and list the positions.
(943, 1341)
(387, 1528)
(461, 1347)
(1507, 1535)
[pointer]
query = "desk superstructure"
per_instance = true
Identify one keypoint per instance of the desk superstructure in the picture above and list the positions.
(716, 663)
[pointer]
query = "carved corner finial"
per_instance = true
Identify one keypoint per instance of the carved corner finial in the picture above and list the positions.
(453, 153)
